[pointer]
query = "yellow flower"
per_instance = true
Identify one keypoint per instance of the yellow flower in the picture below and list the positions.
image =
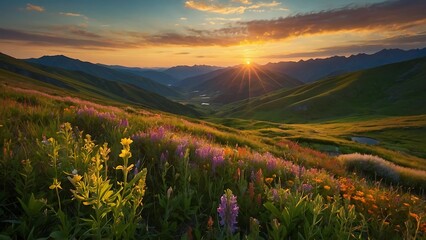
(76, 178)
(126, 141)
(125, 154)
(56, 184)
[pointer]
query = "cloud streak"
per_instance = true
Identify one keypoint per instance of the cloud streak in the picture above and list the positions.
(233, 7)
(52, 40)
(402, 41)
(70, 14)
(32, 7)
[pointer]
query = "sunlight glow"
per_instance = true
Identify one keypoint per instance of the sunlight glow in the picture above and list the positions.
(248, 62)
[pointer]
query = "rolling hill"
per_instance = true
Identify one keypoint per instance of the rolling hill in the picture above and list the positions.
(315, 69)
(246, 81)
(96, 70)
(392, 90)
(19, 73)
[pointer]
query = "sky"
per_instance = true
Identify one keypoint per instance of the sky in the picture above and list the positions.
(164, 33)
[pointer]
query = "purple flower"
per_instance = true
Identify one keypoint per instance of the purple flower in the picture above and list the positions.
(228, 211)
(157, 134)
(124, 122)
(306, 187)
(216, 161)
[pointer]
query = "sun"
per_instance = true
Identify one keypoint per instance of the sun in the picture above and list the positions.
(248, 62)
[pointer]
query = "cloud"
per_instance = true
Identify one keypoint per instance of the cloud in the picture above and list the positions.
(70, 14)
(401, 41)
(183, 18)
(223, 19)
(388, 17)
(391, 15)
(233, 7)
(32, 7)
(53, 40)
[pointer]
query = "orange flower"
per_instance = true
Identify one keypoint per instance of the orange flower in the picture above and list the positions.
(210, 223)
(269, 180)
(326, 187)
(359, 193)
(415, 216)
(406, 204)
(317, 180)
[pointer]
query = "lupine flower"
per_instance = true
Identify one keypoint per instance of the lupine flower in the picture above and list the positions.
(228, 211)
(306, 187)
(216, 161)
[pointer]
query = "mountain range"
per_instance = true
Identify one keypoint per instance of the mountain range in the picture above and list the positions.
(315, 69)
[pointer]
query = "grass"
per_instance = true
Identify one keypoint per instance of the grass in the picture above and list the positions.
(380, 169)
(401, 138)
(163, 176)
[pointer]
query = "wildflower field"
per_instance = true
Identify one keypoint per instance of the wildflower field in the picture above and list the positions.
(73, 169)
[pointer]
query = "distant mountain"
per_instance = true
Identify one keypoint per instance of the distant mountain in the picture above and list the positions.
(64, 62)
(154, 74)
(246, 81)
(314, 69)
(191, 82)
(391, 90)
(76, 83)
(182, 72)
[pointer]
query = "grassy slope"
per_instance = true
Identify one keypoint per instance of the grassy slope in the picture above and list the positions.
(15, 72)
(196, 188)
(395, 90)
(402, 139)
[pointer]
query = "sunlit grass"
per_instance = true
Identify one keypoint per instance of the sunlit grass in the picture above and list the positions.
(163, 176)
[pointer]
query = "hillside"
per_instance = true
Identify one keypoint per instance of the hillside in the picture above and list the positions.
(393, 90)
(64, 62)
(315, 69)
(242, 82)
(18, 73)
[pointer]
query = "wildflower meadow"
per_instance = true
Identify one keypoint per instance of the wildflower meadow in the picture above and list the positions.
(75, 170)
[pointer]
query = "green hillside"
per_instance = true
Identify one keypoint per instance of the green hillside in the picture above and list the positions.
(391, 90)
(19, 73)
(99, 71)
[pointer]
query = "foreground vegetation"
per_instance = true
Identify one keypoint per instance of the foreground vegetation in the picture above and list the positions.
(75, 169)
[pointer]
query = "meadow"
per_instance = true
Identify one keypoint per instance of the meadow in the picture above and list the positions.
(72, 168)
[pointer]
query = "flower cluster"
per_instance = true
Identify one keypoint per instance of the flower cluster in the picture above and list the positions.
(228, 211)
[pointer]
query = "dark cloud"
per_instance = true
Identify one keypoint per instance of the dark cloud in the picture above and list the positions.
(387, 15)
(43, 39)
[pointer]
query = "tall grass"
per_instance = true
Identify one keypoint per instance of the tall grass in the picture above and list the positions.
(72, 169)
(378, 168)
